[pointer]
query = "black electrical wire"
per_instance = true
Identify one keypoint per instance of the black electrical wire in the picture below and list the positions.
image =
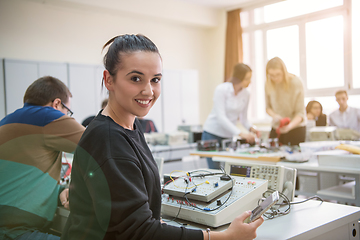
(273, 212)
(209, 210)
(173, 220)
(313, 197)
(208, 174)
(186, 193)
(200, 171)
(171, 180)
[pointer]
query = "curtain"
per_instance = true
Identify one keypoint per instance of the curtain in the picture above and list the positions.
(233, 47)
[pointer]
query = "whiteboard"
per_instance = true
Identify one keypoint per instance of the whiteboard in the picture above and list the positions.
(18, 76)
(82, 87)
(58, 70)
(180, 97)
(177, 105)
(171, 97)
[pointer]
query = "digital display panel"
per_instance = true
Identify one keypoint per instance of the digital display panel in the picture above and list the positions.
(241, 171)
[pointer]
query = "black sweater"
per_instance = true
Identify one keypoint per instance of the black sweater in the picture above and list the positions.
(321, 120)
(115, 190)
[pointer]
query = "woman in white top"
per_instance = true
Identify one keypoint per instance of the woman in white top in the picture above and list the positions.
(231, 100)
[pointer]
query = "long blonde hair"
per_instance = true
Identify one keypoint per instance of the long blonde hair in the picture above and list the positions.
(277, 63)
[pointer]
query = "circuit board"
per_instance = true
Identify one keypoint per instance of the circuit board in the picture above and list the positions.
(243, 195)
(204, 189)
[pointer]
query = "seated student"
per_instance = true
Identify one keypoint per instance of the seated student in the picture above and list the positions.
(147, 125)
(314, 112)
(345, 116)
(31, 143)
(89, 119)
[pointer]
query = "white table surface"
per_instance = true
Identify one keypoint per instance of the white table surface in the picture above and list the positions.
(311, 219)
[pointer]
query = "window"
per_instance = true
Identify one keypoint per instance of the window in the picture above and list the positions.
(244, 18)
(325, 53)
(355, 43)
(293, 8)
(318, 41)
(284, 43)
(259, 76)
(246, 51)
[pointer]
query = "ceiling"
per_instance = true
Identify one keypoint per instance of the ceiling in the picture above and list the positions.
(230, 4)
(221, 4)
(204, 13)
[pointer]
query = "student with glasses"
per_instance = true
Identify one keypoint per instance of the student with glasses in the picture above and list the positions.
(284, 96)
(32, 140)
(314, 112)
(69, 112)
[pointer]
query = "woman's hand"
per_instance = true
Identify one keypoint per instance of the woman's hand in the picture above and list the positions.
(293, 124)
(240, 230)
(285, 129)
(64, 198)
(249, 137)
(277, 118)
(310, 116)
(255, 131)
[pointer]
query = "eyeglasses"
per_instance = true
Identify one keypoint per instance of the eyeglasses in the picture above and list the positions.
(69, 112)
(275, 76)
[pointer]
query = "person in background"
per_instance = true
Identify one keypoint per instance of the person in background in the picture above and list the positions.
(230, 104)
(86, 122)
(284, 96)
(314, 111)
(147, 125)
(32, 139)
(345, 116)
(115, 190)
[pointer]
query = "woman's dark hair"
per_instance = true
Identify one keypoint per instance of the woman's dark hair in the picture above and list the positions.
(239, 72)
(46, 89)
(124, 44)
(310, 105)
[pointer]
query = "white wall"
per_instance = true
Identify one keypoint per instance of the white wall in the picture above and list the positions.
(213, 73)
(173, 10)
(31, 30)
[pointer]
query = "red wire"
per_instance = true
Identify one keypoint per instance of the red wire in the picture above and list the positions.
(171, 180)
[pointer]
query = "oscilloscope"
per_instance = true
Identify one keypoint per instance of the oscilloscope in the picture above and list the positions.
(280, 178)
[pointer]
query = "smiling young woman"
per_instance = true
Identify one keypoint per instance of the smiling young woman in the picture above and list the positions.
(115, 190)
(134, 89)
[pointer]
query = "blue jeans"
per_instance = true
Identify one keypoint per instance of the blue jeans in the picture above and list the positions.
(36, 235)
(208, 136)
